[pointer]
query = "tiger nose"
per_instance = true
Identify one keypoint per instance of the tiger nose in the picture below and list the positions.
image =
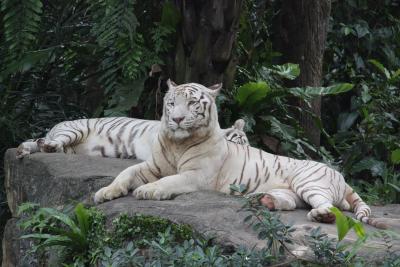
(178, 119)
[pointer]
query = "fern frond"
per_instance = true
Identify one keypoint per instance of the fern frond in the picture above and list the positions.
(115, 33)
(21, 22)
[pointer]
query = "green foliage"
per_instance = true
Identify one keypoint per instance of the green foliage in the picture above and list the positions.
(251, 93)
(345, 223)
(367, 141)
(267, 106)
(52, 228)
(166, 244)
(64, 60)
(363, 49)
(80, 237)
(141, 227)
(266, 224)
(325, 249)
(21, 22)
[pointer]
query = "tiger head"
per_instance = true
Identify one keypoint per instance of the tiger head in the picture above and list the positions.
(236, 133)
(189, 109)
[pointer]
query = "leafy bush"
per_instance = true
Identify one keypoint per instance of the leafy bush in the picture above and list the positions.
(80, 238)
(370, 131)
(266, 105)
(362, 48)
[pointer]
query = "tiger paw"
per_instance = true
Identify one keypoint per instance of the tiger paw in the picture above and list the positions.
(26, 148)
(109, 192)
(268, 201)
(323, 215)
(22, 151)
(151, 191)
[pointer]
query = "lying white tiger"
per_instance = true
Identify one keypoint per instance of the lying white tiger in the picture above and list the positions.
(117, 137)
(190, 154)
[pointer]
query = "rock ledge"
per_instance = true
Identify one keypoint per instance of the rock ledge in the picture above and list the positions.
(56, 179)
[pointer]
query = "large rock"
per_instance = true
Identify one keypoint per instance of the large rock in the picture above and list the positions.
(55, 179)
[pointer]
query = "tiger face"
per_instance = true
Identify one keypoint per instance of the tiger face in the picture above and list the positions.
(189, 108)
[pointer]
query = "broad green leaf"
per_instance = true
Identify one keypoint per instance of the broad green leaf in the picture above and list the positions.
(395, 156)
(289, 71)
(279, 129)
(321, 91)
(57, 241)
(262, 235)
(37, 236)
(397, 188)
(347, 30)
(346, 120)
(359, 229)
(376, 167)
(330, 90)
(242, 188)
(380, 67)
(395, 76)
(365, 96)
(237, 188)
(27, 206)
(248, 218)
(251, 93)
(342, 224)
(62, 218)
(125, 97)
(83, 218)
(361, 30)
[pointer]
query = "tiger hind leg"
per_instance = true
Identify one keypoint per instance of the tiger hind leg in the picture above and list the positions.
(281, 199)
(52, 146)
(345, 205)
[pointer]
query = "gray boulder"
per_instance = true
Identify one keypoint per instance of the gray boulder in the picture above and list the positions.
(56, 179)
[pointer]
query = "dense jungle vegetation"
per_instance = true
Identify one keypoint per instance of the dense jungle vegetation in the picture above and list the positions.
(63, 60)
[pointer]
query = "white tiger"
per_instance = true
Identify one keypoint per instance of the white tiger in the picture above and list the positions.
(116, 137)
(190, 154)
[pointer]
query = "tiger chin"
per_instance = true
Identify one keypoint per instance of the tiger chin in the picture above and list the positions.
(204, 160)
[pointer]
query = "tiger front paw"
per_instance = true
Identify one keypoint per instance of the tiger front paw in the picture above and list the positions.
(22, 151)
(110, 192)
(26, 148)
(151, 191)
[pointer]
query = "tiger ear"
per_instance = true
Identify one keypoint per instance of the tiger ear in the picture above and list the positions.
(171, 84)
(213, 90)
(239, 124)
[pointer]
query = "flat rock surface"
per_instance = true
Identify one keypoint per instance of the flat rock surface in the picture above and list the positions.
(218, 215)
(57, 179)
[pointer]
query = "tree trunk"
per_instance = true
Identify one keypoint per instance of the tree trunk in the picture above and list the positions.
(206, 41)
(304, 27)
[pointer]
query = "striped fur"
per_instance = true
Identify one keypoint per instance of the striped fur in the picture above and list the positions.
(117, 137)
(189, 154)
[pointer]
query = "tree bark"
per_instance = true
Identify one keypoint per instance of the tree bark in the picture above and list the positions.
(206, 41)
(304, 27)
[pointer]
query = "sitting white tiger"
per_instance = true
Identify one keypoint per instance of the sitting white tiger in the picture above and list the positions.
(117, 137)
(190, 154)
